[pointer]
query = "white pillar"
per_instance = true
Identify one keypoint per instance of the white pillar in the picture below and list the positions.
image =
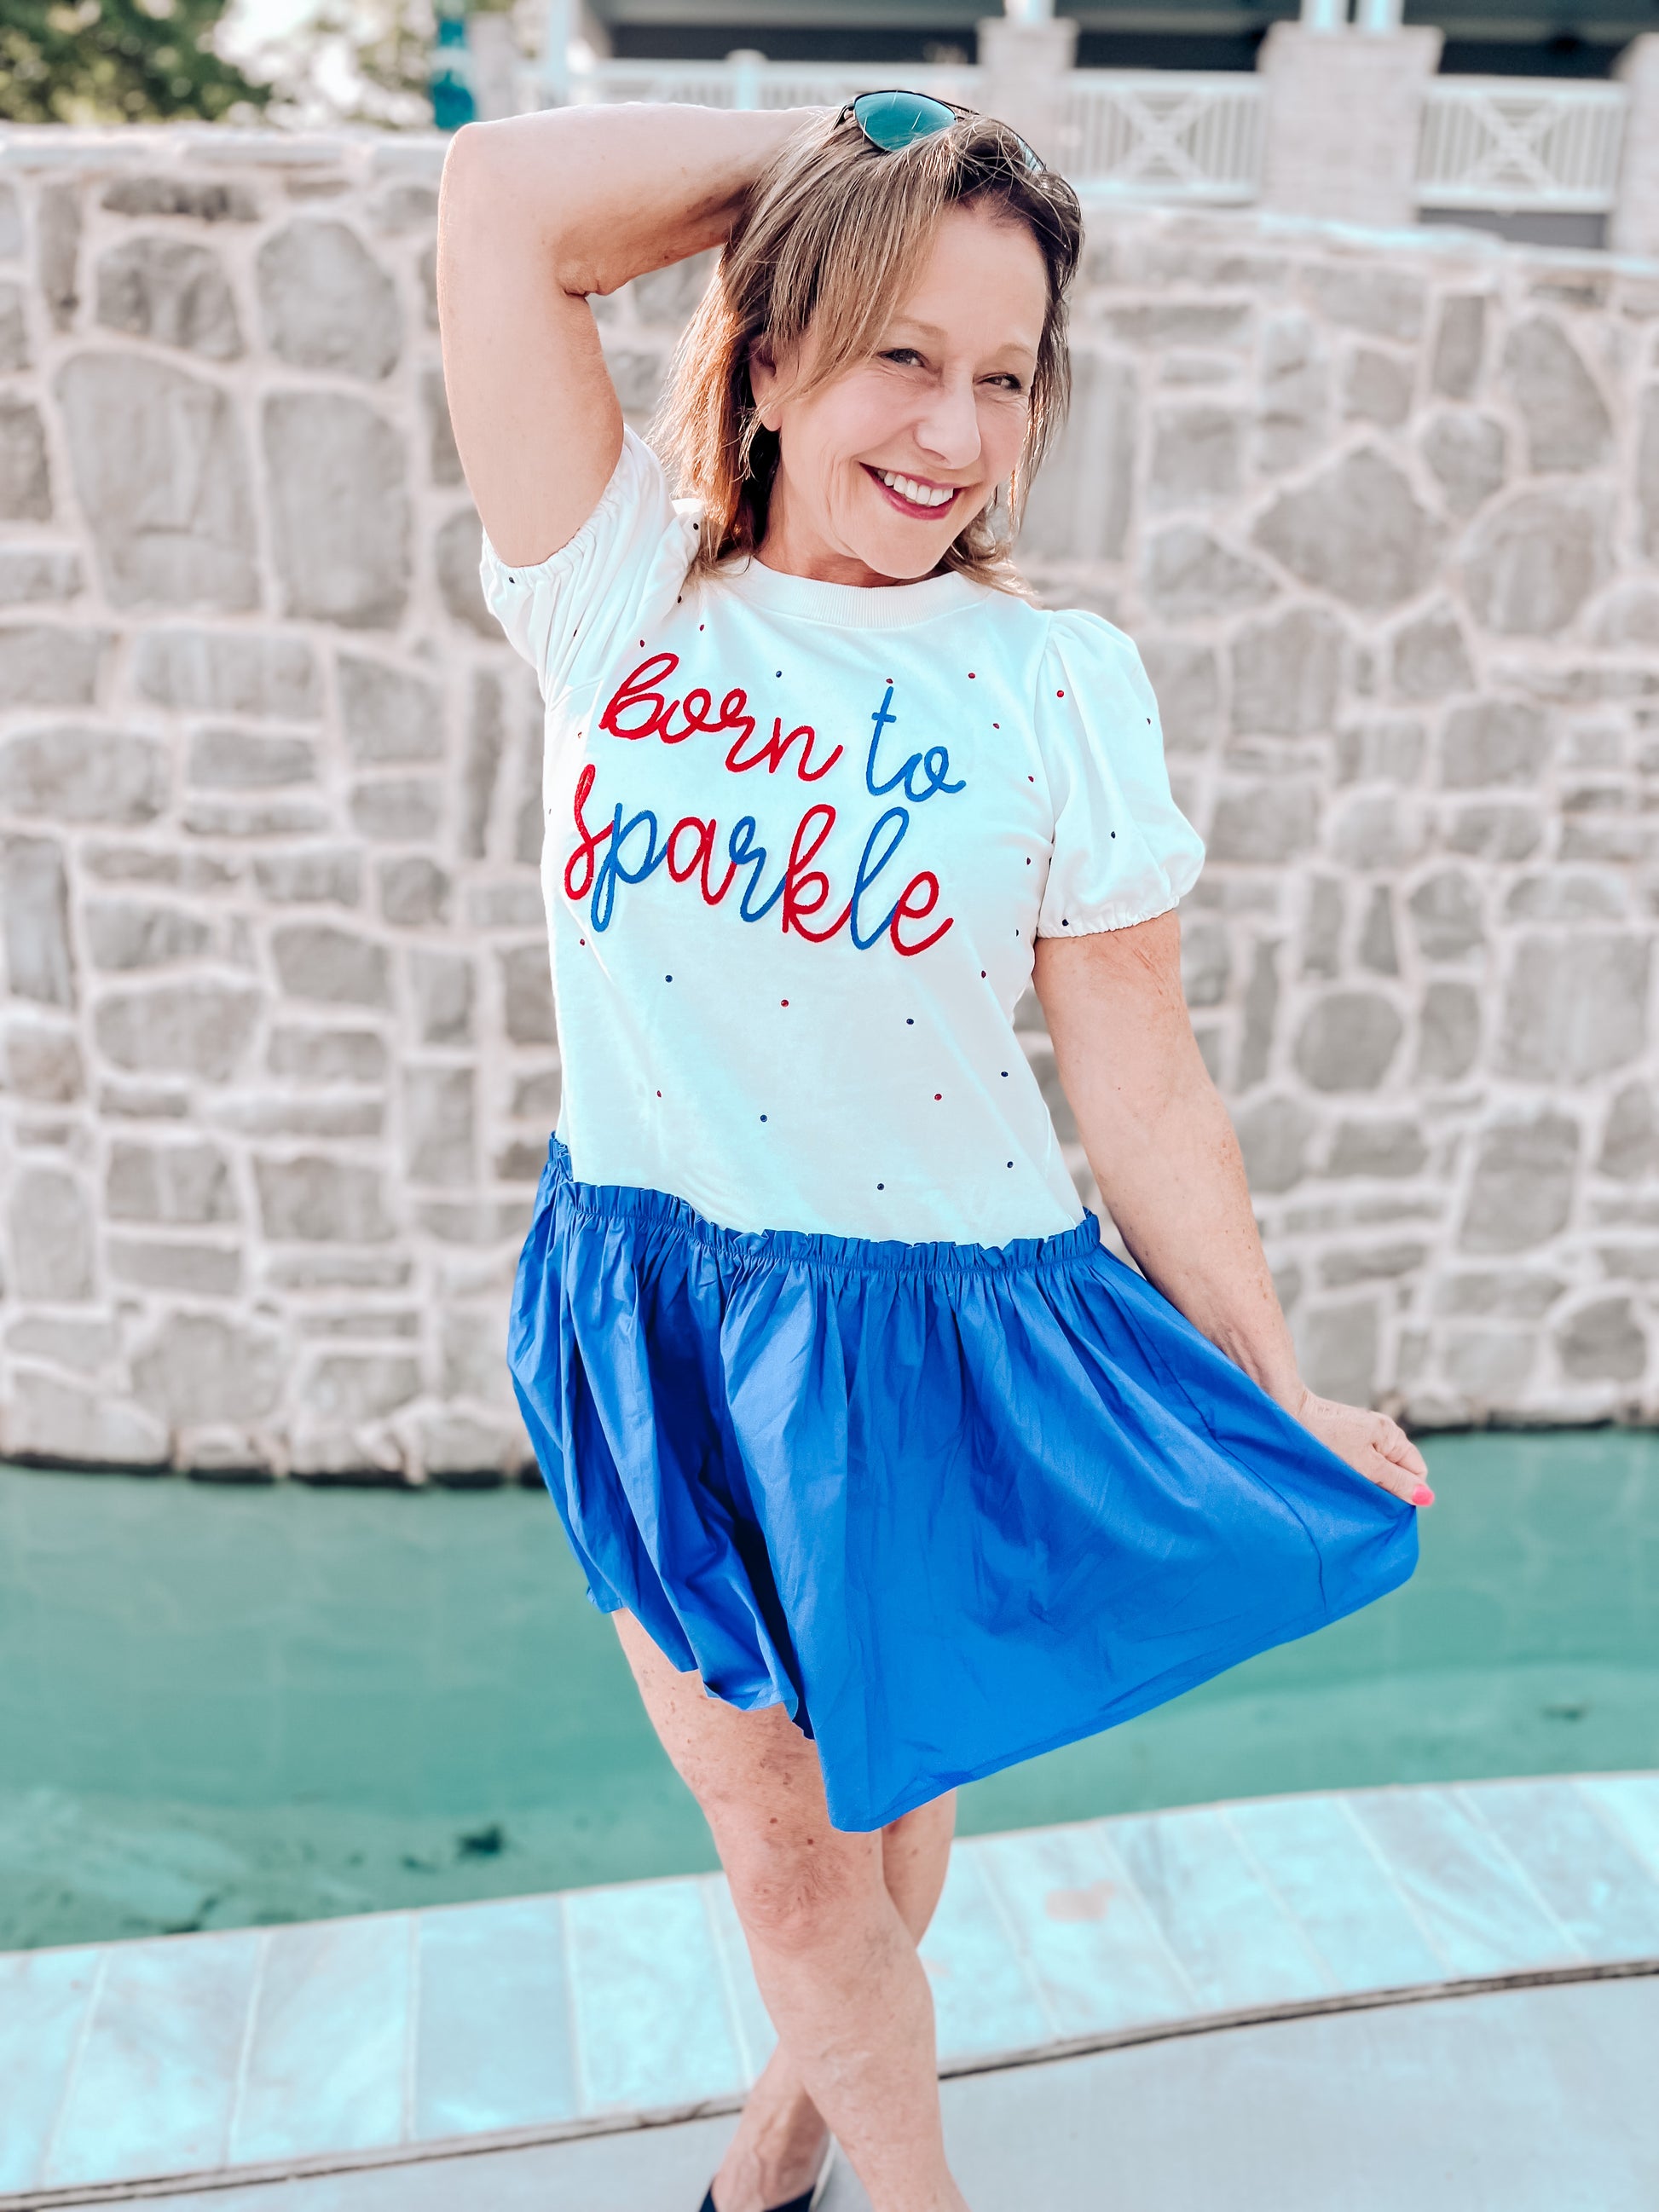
(1026, 58)
(1344, 110)
(1635, 225)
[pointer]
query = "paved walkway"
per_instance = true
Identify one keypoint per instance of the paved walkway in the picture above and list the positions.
(1524, 2101)
(363, 2053)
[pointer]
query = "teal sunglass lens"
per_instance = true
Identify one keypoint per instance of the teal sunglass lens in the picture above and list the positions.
(893, 120)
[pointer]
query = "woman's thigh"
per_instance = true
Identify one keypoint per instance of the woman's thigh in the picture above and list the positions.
(758, 1779)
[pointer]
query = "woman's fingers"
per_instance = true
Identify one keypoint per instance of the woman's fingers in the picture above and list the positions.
(1373, 1446)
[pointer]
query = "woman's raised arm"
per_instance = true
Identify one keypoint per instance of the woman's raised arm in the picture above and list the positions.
(536, 214)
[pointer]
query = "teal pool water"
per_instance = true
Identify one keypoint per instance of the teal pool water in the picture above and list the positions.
(226, 1706)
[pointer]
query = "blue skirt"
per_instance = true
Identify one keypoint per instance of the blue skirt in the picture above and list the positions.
(949, 1505)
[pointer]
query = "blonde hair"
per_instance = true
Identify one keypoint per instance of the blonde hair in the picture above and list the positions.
(832, 238)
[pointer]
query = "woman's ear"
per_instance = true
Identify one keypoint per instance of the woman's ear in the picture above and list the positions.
(763, 382)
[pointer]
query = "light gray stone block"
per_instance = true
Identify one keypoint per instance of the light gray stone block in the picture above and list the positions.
(51, 1418)
(14, 330)
(172, 292)
(1395, 1147)
(1566, 419)
(311, 1198)
(337, 495)
(1191, 576)
(11, 224)
(1378, 949)
(25, 476)
(1286, 673)
(351, 1388)
(441, 988)
(1275, 1134)
(29, 575)
(1080, 503)
(1459, 343)
(1197, 455)
(327, 302)
(1629, 1142)
(1568, 895)
(35, 919)
(51, 1224)
(1493, 741)
(269, 677)
(77, 774)
(248, 760)
(1186, 680)
(202, 1368)
(1534, 560)
(1294, 404)
(443, 462)
(57, 251)
(536, 1098)
(43, 1065)
(328, 1055)
(1647, 469)
(180, 1184)
(1357, 530)
(1378, 388)
(127, 933)
(319, 962)
(415, 892)
(331, 877)
(198, 1028)
(203, 1271)
(526, 993)
(1376, 829)
(1603, 1342)
(439, 1130)
(1389, 750)
(389, 714)
(397, 810)
(1575, 1007)
(1347, 1041)
(1339, 1345)
(1428, 658)
(1206, 959)
(1521, 1189)
(455, 551)
(162, 476)
(197, 199)
(1446, 914)
(1467, 454)
(1267, 823)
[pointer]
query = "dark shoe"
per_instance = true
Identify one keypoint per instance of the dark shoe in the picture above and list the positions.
(808, 2200)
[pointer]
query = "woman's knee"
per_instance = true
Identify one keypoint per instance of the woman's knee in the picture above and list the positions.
(800, 1893)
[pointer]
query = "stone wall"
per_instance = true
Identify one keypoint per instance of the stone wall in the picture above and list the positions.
(277, 1051)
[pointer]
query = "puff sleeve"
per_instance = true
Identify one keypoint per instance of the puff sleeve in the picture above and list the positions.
(622, 569)
(1123, 852)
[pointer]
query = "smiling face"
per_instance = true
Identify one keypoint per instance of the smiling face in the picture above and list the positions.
(881, 467)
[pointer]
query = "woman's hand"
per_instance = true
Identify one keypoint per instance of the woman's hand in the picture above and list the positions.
(1371, 1443)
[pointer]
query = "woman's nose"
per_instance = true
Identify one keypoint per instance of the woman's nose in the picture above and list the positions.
(949, 429)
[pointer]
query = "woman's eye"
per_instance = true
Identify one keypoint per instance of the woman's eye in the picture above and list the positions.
(905, 355)
(1008, 382)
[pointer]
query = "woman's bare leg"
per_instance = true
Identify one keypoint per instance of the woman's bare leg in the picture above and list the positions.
(833, 1952)
(778, 2148)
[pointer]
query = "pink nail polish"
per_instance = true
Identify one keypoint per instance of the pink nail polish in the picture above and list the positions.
(1422, 1495)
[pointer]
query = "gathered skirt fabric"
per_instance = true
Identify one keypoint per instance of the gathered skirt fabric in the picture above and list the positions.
(950, 1505)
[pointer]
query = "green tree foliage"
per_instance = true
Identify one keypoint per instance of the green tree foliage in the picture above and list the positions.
(117, 60)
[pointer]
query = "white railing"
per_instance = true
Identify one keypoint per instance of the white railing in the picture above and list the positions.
(1161, 133)
(1502, 144)
(1510, 143)
(751, 82)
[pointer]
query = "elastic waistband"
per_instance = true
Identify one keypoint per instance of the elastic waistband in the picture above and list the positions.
(749, 1249)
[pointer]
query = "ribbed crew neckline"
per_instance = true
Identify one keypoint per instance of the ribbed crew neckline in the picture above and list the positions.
(848, 606)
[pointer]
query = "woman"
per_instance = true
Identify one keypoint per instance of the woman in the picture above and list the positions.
(888, 1473)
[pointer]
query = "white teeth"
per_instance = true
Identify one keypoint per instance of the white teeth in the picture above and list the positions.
(918, 494)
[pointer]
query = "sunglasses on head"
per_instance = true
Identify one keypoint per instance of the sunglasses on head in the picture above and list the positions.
(893, 121)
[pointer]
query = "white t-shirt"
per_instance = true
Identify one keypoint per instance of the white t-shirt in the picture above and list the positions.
(801, 839)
